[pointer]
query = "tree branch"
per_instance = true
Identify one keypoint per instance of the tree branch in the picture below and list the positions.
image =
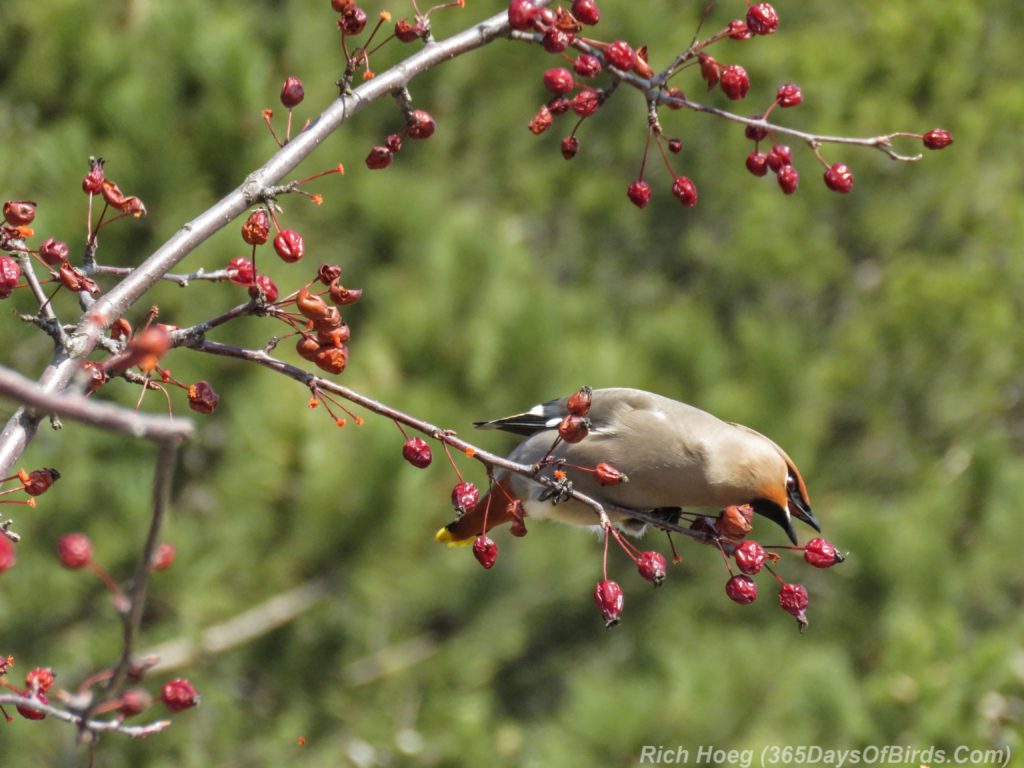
(85, 724)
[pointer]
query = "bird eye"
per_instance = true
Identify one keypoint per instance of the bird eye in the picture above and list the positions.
(790, 483)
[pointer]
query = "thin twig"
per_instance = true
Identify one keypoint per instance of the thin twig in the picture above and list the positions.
(85, 724)
(218, 275)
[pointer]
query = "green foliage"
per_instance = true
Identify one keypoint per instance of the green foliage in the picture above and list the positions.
(874, 335)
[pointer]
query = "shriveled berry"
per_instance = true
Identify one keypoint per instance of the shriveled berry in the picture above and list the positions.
(289, 246)
(620, 55)
(465, 497)
(9, 274)
(735, 521)
(677, 95)
(580, 401)
(587, 65)
(134, 701)
(556, 40)
(559, 106)
(586, 12)
(40, 480)
(685, 191)
(331, 358)
(179, 695)
(164, 556)
(53, 251)
(738, 30)
(789, 95)
(92, 184)
(609, 598)
(559, 80)
(541, 121)
(521, 14)
(734, 82)
(937, 138)
(256, 229)
(241, 271)
(757, 163)
(762, 19)
(780, 157)
(675, 146)
(573, 428)
(839, 178)
(267, 287)
(749, 556)
(420, 125)
(379, 157)
(710, 69)
(822, 554)
(28, 712)
(586, 102)
(40, 679)
(485, 551)
(741, 589)
(74, 550)
(793, 600)
(353, 20)
(394, 143)
(652, 566)
(417, 452)
(18, 213)
(344, 296)
(606, 474)
(407, 31)
(328, 273)
(292, 92)
(202, 398)
(570, 147)
(789, 179)
(639, 193)
(8, 556)
(514, 509)
(334, 337)
(307, 347)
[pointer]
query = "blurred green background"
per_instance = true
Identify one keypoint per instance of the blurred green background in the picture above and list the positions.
(876, 336)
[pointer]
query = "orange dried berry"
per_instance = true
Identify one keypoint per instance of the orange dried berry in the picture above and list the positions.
(310, 305)
(332, 359)
(40, 480)
(307, 347)
(735, 521)
(202, 398)
(344, 296)
(256, 229)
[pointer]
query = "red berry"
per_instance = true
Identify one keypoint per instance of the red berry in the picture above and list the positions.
(677, 95)
(267, 287)
(420, 125)
(134, 701)
(521, 14)
(586, 102)
(292, 92)
(762, 19)
(741, 589)
(417, 452)
(53, 251)
(40, 679)
(164, 556)
(579, 403)
(289, 246)
(749, 556)
(734, 82)
(559, 80)
(541, 121)
(544, 19)
(570, 147)
(608, 596)
(558, 106)
(379, 157)
(685, 190)
(202, 398)
(779, 157)
(675, 146)
(789, 95)
(556, 40)
(620, 55)
(9, 274)
(74, 550)
(937, 138)
(92, 184)
(839, 178)
(7, 554)
(353, 19)
(31, 714)
(755, 132)
(407, 31)
(586, 12)
(573, 428)
(394, 143)
(710, 69)
(793, 600)
(241, 271)
(789, 179)
(738, 30)
(19, 212)
(652, 566)
(178, 695)
(465, 497)
(606, 474)
(40, 480)
(757, 163)
(587, 65)
(256, 229)
(822, 554)
(485, 551)
(639, 193)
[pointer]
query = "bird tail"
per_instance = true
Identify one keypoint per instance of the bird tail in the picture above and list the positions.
(494, 506)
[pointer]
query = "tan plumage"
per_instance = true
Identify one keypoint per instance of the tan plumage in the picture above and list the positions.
(675, 456)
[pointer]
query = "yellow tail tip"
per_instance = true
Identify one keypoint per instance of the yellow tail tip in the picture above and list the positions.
(446, 537)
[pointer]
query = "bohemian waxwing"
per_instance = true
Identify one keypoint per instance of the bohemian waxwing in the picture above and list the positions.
(674, 456)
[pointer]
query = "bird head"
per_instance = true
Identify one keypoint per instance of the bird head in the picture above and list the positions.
(781, 502)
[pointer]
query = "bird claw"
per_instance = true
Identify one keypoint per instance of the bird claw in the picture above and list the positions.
(558, 492)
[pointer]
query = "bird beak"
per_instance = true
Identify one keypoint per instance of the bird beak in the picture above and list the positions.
(778, 515)
(802, 511)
